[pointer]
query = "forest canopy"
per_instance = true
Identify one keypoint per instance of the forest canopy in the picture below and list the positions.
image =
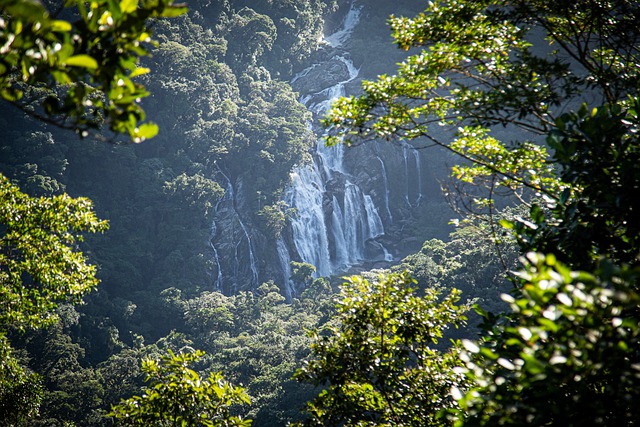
(566, 351)
(533, 104)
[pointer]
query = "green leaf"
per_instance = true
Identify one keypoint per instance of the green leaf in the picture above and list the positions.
(548, 324)
(11, 94)
(509, 225)
(533, 365)
(60, 26)
(139, 71)
(30, 10)
(82, 60)
(173, 11)
(128, 6)
(145, 131)
(488, 353)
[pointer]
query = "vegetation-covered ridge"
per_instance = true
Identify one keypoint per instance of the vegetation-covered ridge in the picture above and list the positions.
(566, 350)
(223, 117)
(535, 105)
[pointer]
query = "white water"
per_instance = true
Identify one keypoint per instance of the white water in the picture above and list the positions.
(340, 243)
(409, 183)
(217, 284)
(375, 223)
(385, 183)
(229, 197)
(308, 227)
(333, 92)
(337, 222)
(330, 231)
(407, 178)
(285, 264)
(416, 156)
(387, 256)
(350, 21)
(353, 222)
(252, 259)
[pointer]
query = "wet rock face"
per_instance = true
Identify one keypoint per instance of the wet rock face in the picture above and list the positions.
(235, 267)
(352, 205)
(334, 21)
(321, 76)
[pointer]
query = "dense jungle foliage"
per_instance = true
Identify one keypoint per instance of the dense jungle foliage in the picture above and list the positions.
(158, 136)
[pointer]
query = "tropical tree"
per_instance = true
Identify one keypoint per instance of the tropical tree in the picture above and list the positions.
(177, 396)
(491, 63)
(567, 357)
(40, 268)
(20, 389)
(566, 354)
(379, 361)
(74, 66)
(597, 153)
(476, 66)
(570, 340)
(258, 339)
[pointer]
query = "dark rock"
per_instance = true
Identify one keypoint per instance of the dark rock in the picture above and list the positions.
(321, 76)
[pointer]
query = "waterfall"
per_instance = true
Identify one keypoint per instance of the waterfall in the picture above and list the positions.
(387, 256)
(285, 264)
(353, 223)
(335, 218)
(230, 199)
(308, 226)
(331, 93)
(217, 284)
(350, 21)
(406, 149)
(407, 178)
(376, 228)
(385, 183)
(252, 259)
(416, 155)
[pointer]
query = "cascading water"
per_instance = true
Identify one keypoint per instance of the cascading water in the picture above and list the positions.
(407, 179)
(217, 284)
(340, 243)
(229, 199)
(416, 156)
(375, 223)
(353, 223)
(308, 227)
(335, 218)
(408, 149)
(342, 203)
(252, 258)
(338, 38)
(385, 182)
(285, 264)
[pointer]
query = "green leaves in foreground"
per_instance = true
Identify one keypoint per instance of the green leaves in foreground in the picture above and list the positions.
(20, 389)
(80, 72)
(569, 356)
(177, 396)
(483, 63)
(40, 268)
(39, 264)
(378, 363)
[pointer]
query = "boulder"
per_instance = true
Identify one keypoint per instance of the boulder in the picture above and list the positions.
(320, 77)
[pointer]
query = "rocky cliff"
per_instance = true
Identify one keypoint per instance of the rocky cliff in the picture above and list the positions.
(352, 207)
